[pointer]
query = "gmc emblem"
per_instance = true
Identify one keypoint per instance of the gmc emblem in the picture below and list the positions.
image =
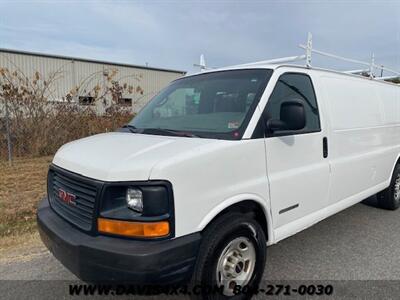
(66, 197)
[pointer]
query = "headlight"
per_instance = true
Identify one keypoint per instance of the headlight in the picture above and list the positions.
(134, 199)
(137, 209)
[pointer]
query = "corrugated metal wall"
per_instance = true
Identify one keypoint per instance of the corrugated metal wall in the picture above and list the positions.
(77, 72)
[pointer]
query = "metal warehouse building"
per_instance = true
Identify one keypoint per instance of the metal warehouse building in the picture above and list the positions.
(86, 74)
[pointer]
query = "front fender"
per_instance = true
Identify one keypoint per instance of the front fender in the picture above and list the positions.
(234, 200)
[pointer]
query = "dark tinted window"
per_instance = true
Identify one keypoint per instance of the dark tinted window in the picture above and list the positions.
(125, 101)
(86, 100)
(295, 86)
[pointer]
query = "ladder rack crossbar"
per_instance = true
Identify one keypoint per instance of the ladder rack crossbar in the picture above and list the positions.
(337, 56)
(388, 70)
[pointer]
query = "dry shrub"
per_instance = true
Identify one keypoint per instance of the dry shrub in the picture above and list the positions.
(51, 133)
(40, 124)
(33, 138)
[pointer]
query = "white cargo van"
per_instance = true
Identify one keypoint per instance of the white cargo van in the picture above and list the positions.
(215, 168)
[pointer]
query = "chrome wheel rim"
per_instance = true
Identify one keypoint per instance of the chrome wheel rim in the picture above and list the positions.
(397, 188)
(236, 265)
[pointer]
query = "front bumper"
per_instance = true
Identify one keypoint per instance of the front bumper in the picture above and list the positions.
(103, 258)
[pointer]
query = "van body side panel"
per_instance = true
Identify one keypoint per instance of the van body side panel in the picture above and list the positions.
(365, 134)
(390, 97)
(362, 123)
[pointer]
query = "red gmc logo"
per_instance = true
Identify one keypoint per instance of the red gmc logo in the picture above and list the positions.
(66, 197)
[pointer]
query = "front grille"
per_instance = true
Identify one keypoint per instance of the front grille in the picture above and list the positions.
(81, 213)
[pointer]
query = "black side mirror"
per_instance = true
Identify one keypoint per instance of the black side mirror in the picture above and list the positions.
(275, 125)
(292, 117)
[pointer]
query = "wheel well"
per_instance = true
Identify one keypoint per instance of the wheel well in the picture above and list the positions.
(394, 167)
(247, 207)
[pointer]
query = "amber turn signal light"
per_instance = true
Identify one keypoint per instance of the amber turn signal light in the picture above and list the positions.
(133, 229)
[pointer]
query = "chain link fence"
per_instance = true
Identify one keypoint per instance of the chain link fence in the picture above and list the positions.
(6, 126)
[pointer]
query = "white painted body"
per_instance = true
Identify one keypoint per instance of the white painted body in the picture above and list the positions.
(360, 117)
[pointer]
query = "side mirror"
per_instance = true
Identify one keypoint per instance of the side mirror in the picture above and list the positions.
(275, 125)
(292, 117)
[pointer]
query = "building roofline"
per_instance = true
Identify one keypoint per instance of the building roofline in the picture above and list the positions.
(71, 58)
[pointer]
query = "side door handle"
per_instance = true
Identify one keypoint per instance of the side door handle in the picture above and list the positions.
(325, 147)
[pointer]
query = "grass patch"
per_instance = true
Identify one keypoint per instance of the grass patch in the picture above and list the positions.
(11, 246)
(22, 185)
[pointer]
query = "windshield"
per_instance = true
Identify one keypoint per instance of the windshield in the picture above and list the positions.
(211, 105)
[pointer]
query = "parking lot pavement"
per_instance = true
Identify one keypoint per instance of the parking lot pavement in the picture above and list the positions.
(360, 243)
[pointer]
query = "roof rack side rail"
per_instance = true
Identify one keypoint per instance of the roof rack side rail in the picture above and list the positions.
(357, 72)
(279, 60)
(387, 77)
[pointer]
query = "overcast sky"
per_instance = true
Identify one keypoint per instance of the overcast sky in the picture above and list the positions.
(172, 34)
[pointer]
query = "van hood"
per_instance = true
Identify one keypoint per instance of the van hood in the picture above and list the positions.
(120, 156)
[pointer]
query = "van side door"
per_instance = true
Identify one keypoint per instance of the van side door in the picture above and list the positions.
(298, 172)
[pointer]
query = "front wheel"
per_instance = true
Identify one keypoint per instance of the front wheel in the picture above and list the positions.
(231, 258)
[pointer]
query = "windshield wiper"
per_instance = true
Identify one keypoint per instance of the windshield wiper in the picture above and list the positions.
(131, 128)
(163, 131)
(159, 131)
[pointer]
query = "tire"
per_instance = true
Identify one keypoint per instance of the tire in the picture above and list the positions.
(390, 198)
(227, 233)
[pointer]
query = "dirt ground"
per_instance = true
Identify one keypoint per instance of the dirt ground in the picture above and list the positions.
(22, 185)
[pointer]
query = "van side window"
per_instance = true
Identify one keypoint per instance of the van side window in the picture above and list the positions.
(295, 86)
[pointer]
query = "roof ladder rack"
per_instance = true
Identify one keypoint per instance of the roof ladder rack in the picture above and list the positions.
(369, 67)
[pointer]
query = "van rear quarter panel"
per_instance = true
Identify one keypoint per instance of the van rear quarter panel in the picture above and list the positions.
(364, 142)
